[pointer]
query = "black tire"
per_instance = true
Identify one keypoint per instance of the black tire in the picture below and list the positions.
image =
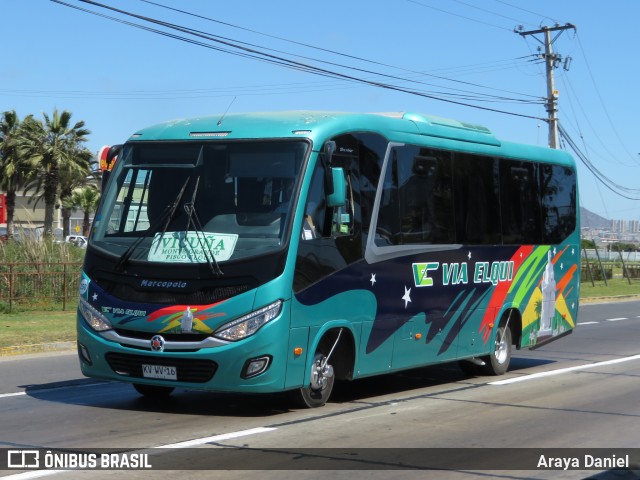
(497, 363)
(153, 391)
(310, 397)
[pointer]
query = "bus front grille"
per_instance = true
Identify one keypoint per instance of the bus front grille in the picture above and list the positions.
(188, 370)
(202, 296)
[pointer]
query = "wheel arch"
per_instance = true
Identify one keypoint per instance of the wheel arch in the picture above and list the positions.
(513, 316)
(343, 357)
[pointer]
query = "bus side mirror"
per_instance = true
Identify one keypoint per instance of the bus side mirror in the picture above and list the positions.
(336, 185)
(109, 162)
(338, 197)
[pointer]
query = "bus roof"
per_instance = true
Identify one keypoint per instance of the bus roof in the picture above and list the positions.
(318, 125)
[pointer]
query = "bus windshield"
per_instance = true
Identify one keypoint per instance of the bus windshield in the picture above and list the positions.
(199, 202)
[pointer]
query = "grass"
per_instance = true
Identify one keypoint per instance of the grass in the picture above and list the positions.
(36, 251)
(27, 328)
(616, 287)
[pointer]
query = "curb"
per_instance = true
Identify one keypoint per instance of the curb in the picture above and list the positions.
(613, 298)
(37, 348)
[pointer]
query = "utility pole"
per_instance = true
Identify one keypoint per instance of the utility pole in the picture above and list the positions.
(552, 61)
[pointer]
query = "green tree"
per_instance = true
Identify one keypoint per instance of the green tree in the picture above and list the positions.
(11, 163)
(70, 181)
(589, 244)
(51, 147)
(85, 198)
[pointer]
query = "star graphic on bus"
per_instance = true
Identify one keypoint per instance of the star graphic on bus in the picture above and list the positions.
(373, 279)
(407, 296)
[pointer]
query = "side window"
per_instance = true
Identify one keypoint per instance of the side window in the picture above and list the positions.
(321, 220)
(315, 212)
(417, 202)
(388, 225)
(558, 188)
(520, 202)
(477, 200)
(330, 237)
(372, 149)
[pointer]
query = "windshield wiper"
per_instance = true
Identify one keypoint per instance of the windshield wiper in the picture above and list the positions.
(192, 216)
(168, 214)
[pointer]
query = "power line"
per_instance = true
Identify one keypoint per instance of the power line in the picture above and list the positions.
(528, 11)
(257, 54)
(587, 118)
(488, 11)
(602, 103)
(334, 52)
(601, 177)
(234, 43)
(457, 15)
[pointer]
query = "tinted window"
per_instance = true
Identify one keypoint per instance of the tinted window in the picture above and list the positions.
(558, 186)
(417, 202)
(477, 200)
(520, 202)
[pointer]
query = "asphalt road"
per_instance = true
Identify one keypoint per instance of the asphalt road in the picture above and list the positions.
(579, 392)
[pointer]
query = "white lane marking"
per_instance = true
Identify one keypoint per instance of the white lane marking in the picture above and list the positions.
(41, 390)
(34, 474)
(588, 323)
(615, 319)
(217, 438)
(560, 371)
(16, 394)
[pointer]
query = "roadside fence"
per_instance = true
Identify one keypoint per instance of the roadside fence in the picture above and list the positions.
(39, 285)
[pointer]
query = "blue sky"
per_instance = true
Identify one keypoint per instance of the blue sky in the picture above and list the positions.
(119, 79)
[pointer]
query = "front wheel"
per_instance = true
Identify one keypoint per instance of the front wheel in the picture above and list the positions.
(497, 363)
(319, 389)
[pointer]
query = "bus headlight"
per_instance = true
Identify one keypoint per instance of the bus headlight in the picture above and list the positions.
(249, 324)
(93, 317)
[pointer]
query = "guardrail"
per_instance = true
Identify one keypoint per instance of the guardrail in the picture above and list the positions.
(39, 285)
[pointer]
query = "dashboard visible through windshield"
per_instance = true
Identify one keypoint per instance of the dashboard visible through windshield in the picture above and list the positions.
(199, 202)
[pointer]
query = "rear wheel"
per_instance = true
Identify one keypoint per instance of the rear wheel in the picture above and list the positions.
(153, 391)
(319, 389)
(497, 363)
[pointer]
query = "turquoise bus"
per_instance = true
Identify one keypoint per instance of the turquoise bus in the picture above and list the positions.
(279, 252)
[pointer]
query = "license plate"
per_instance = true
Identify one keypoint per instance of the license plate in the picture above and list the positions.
(161, 372)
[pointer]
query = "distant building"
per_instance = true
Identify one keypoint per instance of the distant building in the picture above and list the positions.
(28, 214)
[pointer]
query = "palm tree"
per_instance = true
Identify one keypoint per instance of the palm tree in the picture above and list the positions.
(86, 198)
(70, 180)
(51, 148)
(10, 163)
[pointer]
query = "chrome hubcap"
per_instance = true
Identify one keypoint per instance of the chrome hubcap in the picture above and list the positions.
(321, 374)
(502, 349)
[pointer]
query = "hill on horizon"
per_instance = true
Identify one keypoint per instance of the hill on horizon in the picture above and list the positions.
(593, 220)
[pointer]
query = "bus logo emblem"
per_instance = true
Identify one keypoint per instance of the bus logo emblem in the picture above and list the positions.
(421, 276)
(157, 343)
